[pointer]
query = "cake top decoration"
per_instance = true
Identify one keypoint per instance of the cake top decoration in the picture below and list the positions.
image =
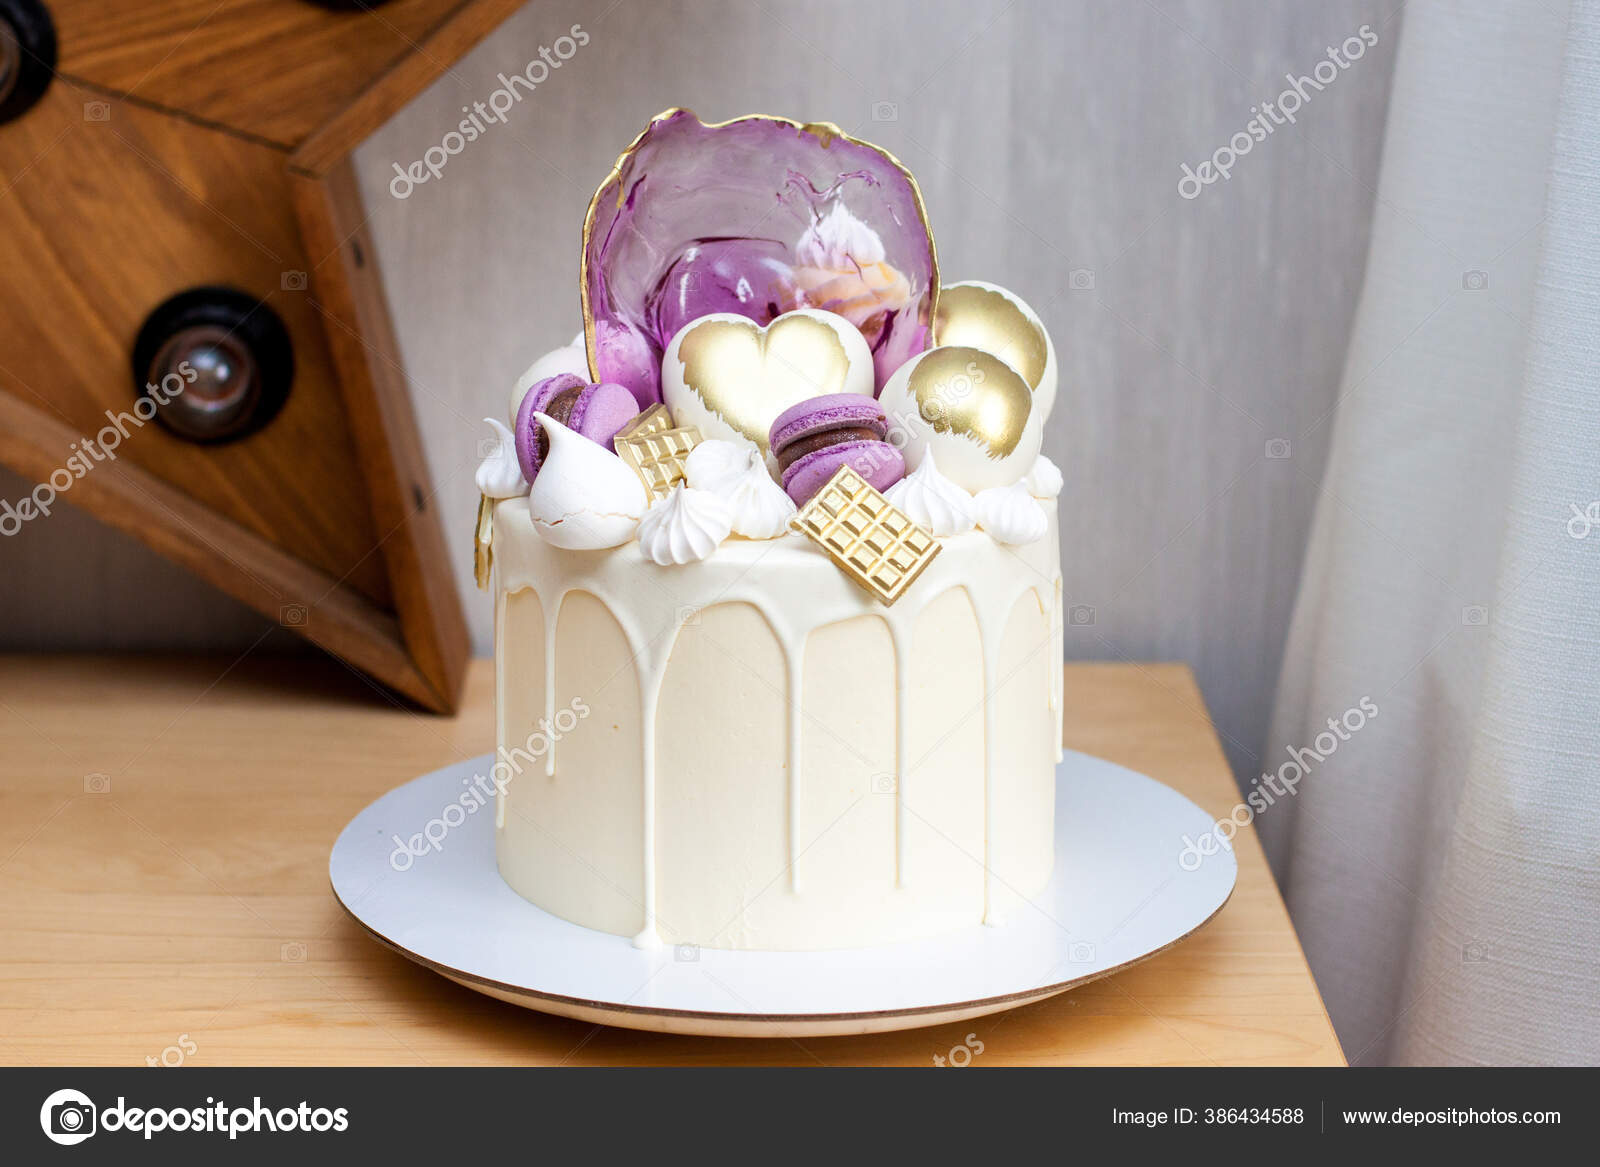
(652, 421)
(1045, 479)
(584, 497)
(985, 316)
(814, 438)
(971, 407)
(755, 216)
(732, 377)
(569, 358)
(658, 456)
(870, 540)
(596, 412)
(767, 352)
(931, 500)
(483, 543)
(1010, 514)
(499, 475)
(736, 473)
(684, 527)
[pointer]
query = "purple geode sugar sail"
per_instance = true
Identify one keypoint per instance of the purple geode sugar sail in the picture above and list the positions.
(757, 216)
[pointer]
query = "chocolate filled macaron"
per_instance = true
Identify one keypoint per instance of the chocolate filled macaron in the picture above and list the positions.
(595, 411)
(813, 439)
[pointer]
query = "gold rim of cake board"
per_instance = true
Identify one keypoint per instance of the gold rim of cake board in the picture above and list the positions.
(824, 132)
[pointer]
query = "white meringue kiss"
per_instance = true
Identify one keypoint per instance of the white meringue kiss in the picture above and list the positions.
(736, 473)
(499, 475)
(684, 527)
(933, 502)
(584, 497)
(1010, 514)
(571, 358)
(1044, 480)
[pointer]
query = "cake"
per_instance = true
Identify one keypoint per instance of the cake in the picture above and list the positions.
(775, 561)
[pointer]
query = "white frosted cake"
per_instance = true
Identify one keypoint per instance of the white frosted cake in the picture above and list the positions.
(776, 565)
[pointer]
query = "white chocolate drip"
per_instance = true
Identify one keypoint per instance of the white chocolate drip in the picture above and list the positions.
(902, 751)
(649, 937)
(795, 655)
(802, 584)
(552, 617)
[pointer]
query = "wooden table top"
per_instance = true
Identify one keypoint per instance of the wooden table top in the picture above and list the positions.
(164, 835)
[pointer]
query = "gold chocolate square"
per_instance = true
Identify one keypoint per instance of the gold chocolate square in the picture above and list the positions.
(651, 421)
(483, 542)
(874, 543)
(658, 458)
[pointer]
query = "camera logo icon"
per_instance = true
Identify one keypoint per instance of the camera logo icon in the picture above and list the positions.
(1081, 279)
(885, 111)
(96, 111)
(686, 953)
(293, 281)
(1474, 281)
(67, 1117)
(1080, 615)
(1277, 449)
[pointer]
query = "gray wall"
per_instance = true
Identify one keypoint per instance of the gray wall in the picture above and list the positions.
(1047, 138)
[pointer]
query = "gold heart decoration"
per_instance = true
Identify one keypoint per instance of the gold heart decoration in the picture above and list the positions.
(972, 409)
(732, 378)
(984, 316)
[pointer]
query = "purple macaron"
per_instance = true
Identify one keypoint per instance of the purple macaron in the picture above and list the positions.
(813, 439)
(595, 411)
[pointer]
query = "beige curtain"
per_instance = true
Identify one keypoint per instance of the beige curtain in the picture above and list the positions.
(1442, 862)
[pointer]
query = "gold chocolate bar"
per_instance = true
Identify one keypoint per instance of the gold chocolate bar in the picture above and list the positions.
(871, 540)
(658, 458)
(651, 421)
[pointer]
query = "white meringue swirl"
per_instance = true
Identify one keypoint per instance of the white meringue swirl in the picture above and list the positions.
(1010, 514)
(717, 463)
(584, 497)
(499, 475)
(1044, 479)
(932, 501)
(737, 474)
(684, 527)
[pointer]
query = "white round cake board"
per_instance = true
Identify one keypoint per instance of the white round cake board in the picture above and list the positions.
(1119, 894)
